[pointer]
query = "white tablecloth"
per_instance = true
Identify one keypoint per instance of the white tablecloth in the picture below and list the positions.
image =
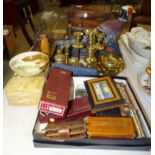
(19, 122)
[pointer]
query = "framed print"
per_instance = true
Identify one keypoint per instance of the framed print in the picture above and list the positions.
(103, 94)
(102, 90)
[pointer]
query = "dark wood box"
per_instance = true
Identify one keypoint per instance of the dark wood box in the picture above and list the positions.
(88, 16)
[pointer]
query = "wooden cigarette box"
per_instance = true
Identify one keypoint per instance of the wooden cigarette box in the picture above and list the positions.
(110, 127)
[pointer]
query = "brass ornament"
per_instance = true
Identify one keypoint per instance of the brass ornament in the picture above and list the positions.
(90, 59)
(100, 37)
(106, 64)
(110, 64)
(67, 46)
(59, 57)
(77, 43)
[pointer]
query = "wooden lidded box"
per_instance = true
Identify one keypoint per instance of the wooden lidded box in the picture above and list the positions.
(88, 16)
(25, 90)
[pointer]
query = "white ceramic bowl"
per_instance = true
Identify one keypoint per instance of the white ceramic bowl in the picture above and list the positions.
(140, 42)
(29, 63)
(140, 47)
(134, 56)
(140, 32)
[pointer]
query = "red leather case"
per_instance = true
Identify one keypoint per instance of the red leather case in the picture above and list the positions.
(79, 107)
(56, 93)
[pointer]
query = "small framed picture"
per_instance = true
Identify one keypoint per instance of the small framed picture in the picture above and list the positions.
(102, 90)
(103, 93)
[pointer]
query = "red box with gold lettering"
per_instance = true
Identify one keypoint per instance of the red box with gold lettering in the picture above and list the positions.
(80, 107)
(56, 93)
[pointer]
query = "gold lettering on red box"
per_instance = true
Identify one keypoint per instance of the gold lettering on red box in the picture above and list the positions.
(62, 72)
(51, 95)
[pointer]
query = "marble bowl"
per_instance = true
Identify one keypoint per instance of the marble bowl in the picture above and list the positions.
(29, 63)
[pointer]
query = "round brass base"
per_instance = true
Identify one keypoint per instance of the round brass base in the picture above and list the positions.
(77, 45)
(99, 46)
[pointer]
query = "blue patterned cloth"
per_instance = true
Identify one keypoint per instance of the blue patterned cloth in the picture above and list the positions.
(77, 71)
(112, 45)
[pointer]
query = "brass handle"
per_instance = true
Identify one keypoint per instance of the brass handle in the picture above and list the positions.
(137, 124)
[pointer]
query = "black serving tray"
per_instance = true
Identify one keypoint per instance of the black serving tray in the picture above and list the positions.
(123, 144)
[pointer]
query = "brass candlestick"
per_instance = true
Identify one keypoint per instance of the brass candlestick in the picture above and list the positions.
(100, 37)
(67, 46)
(90, 59)
(78, 45)
(59, 57)
(90, 36)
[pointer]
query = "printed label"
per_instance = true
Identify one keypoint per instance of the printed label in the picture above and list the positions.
(49, 107)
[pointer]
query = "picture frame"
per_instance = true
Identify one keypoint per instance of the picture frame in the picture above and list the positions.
(103, 94)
